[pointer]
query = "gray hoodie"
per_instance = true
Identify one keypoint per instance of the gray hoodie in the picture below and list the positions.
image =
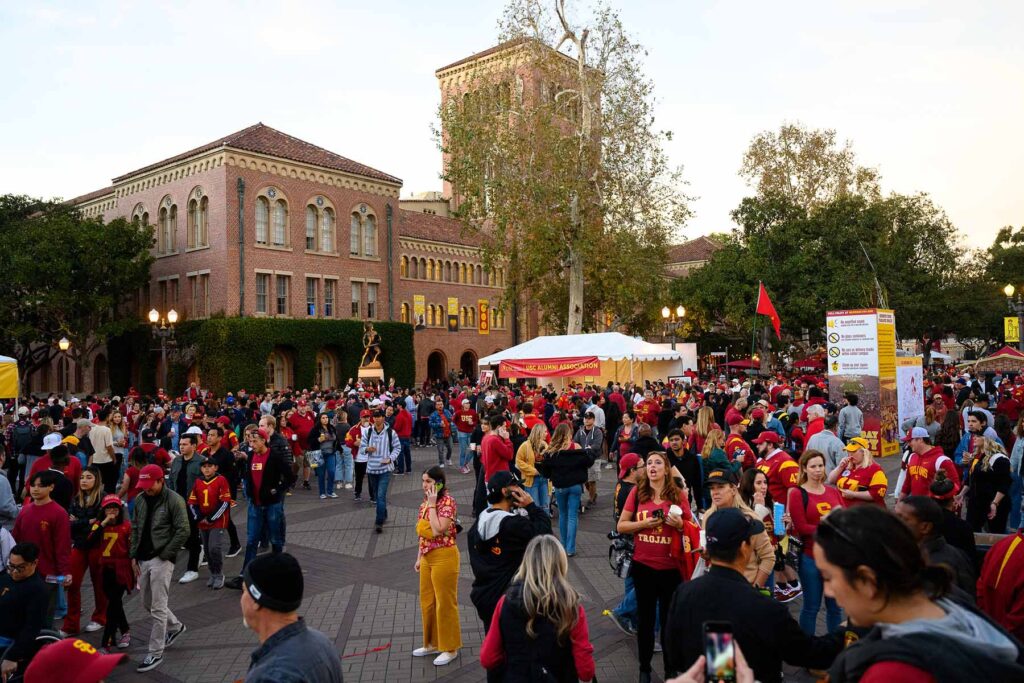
(958, 624)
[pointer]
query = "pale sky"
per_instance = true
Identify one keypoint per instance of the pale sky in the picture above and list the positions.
(930, 92)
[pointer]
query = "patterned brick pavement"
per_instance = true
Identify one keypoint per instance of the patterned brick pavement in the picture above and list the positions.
(362, 592)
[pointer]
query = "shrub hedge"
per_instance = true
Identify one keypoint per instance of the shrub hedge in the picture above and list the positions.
(231, 353)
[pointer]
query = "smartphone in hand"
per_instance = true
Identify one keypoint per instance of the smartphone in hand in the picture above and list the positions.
(719, 652)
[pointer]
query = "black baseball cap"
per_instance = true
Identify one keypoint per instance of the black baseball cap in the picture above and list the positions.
(720, 476)
(727, 528)
(497, 482)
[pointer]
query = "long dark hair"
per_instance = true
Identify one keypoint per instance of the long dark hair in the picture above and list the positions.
(747, 488)
(949, 432)
(868, 536)
(670, 491)
(437, 474)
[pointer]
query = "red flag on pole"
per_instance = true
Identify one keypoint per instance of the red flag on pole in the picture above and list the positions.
(766, 307)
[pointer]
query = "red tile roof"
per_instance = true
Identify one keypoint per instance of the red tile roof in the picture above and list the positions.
(90, 196)
(699, 249)
(428, 226)
(266, 140)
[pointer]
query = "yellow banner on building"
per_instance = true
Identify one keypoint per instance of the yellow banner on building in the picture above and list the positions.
(1011, 329)
(419, 309)
(484, 321)
(453, 314)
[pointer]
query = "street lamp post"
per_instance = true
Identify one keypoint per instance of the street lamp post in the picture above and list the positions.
(1016, 307)
(163, 329)
(672, 320)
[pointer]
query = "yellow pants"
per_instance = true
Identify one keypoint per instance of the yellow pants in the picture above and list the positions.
(439, 599)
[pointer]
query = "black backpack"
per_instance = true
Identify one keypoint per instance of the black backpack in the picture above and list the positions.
(21, 436)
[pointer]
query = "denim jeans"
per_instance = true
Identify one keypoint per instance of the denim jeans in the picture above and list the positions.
(264, 518)
(1015, 496)
(814, 590)
(444, 449)
(626, 610)
(568, 515)
(465, 455)
(325, 474)
(343, 471)
(379, 485)
(404, 463)
(538, 490)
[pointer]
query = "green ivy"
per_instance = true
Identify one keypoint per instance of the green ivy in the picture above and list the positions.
(230, 353)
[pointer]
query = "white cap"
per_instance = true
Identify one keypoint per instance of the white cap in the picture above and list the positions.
(51, 441)
(194, 429)
(23, 410)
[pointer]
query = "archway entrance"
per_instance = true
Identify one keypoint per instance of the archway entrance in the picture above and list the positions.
(100, 374)
(279, 369)
(467, 364)
(437, 366)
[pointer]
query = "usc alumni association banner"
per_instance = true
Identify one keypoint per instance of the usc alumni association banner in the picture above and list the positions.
(550, 367)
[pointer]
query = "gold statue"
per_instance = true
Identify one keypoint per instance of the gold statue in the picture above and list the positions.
(371, 347)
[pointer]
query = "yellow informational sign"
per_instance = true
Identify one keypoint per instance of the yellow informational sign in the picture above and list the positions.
(484, 321)
(1011, 330)
(453, 314)
(419, 309)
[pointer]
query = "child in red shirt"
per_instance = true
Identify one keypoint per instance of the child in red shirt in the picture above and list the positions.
(210, 505)
(112, 535)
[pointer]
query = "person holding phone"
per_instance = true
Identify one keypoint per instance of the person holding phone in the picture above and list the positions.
(437, 562)
(763, 626)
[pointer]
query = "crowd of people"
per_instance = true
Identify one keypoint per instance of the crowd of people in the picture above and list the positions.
(728, 499)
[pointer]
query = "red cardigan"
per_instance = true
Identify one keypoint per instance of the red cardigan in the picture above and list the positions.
(492, 652)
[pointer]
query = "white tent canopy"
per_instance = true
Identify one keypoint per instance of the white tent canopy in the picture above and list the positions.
(607, 346)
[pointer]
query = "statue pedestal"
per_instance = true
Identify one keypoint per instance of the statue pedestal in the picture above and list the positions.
(371, 373)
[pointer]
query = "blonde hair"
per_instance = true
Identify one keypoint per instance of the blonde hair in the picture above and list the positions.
(705, 418)
(988, 448)
(869, 458)
(547, 592)
(562, 437)
(715, 439)
(536, 439)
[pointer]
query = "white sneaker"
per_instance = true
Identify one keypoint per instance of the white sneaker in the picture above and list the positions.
(202, 558)
(348, 485)
(445, 658)
(424, 651)
(323, 496)
(188, 577)
(92, 627)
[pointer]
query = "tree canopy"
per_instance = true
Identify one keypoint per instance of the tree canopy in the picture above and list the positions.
(555, 160)
(65, 276)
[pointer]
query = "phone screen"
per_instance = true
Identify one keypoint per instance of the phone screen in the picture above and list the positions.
(719, 652)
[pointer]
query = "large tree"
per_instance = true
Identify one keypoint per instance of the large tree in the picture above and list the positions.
(65, 275)
(806, 166)
(555, 160)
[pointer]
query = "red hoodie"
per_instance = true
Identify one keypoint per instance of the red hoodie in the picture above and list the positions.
(921, 472)
(1001, 584)
(495, 454)
(49, 527)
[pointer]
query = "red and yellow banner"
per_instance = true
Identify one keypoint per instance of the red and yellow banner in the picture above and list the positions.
(550, 367)
(484, 321)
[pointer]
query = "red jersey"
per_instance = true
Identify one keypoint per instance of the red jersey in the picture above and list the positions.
(782, 471)
(647, 411)
(737, 448)
(259, 460)
(921, 471)
(1001, 585)
(871, 479)
(132, 472)
(466, 420)
(302, 425)
(207, 497)
(49, 527)
(652, 547)
(156, 455)
(115, 542)
(495, 454)
(806, 519)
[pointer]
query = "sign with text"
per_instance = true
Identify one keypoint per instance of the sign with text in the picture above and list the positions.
(486, 378)
(1011, 329)
(550, 367)
(861, 360)
(909, 388)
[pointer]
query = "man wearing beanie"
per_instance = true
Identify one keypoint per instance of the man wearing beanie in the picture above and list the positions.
(289, 651)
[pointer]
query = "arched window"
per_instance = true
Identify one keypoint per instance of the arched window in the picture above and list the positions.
(311, 228)
(403, 266)
(430, 315)
(355, 238)
(472, 316)
(415, 273)
(494, 318)
(447, 271)
(280, 223)
(430, 269)
(462, 273)
(463, 316)
(327, 230)
(501, 277)
(370, 235)
(197, 217)
(278, 370)
(405, 312)
(325, 369)
(479, 276)
(423, 268)
(262, 220)
(168, 226)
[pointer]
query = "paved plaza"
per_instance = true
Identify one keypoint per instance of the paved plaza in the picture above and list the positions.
(362, 592)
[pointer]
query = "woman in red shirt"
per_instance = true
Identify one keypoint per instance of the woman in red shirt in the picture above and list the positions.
(859, 478)
(806, 506)
(648, 516)
(874, 569)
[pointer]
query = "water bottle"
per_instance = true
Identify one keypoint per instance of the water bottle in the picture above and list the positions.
(780, 527)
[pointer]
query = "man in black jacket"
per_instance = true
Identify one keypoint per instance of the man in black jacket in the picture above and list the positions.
(683, 457)
(268, 475)
(499, 538)
(23, 601)
(763, 627)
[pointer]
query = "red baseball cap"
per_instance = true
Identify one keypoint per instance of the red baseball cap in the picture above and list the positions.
(111, 499)
(71, 660)
(149, 475)
(628, 462)
(757, 414)
(224, 420)
(734, 419)
(263, 434)
(768, 436)
(365, 413)
(303, 403)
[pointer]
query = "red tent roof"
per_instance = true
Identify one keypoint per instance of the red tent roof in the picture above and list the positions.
(1006, 352)
(747, 364)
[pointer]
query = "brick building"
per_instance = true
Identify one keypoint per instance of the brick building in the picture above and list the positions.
(260, 223)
